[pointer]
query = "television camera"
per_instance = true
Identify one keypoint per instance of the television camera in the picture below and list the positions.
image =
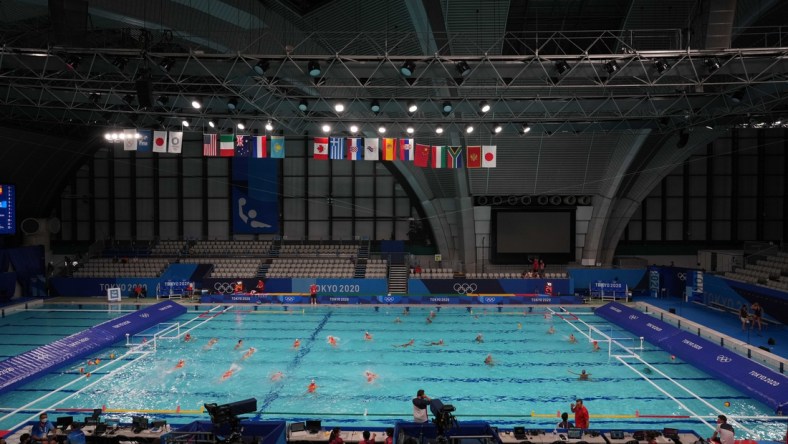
(444, 420)
(225, 417)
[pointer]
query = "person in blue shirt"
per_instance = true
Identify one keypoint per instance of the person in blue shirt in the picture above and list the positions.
(75, 436)
(40, 432)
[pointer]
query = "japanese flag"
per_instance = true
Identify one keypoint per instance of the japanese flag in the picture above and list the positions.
(489, 156)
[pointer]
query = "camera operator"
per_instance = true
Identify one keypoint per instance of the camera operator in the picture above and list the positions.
(420, 404)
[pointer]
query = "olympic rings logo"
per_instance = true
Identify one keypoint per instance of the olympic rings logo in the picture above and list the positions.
(465, 288)
(489, 300)
(723, 359)
(223, 287)
(682, 276)
(389, 299)
(289, 299)
(633, 317)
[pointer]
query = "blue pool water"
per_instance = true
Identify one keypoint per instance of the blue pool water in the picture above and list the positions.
(530, 382)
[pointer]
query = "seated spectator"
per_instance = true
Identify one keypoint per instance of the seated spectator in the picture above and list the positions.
(367, 439)
(41, 432)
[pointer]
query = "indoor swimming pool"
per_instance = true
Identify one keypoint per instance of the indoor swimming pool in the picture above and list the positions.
(370, 381)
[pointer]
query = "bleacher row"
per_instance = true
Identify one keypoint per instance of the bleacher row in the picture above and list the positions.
(432, 273)
(104, 267)
(768, 272)
(299, 267)
(376, 269)
(510, 275)
(330, 250)
(229, 267)
(230, 248)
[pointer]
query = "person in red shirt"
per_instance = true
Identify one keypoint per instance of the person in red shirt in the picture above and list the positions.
(313, 294)
(367, 439)
(260, 286)
(581, 414)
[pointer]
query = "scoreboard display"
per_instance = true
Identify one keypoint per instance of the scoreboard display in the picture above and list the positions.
(7, 209)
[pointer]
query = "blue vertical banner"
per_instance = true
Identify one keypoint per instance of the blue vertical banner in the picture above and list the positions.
(255, 195)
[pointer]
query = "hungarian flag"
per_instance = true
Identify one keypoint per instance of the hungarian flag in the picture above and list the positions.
(160, 141)
(406, 149)
(242, 146)
(422, 156)
(259, 147)
(489, 156)
(321, 148)
(371, 149)
(389, 149)
(277, 147)
(355, 148)
(210, 145)
(130, 140)
(439, 156)
(175, 144)
(336, 148)
(144, 143)
(226, 145)
(474, 154)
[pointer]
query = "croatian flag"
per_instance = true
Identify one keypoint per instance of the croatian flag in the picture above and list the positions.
(355, 148)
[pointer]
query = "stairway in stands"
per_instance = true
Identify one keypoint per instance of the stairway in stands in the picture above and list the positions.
(398, 279)
(262, 271)
(361, 260)
(275, 246)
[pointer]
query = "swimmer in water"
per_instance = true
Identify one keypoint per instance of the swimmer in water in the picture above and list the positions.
(596, 346)
(332, 341)
(429, 320)
(479, 338)
(230, 372)
(180, 364)
(519, 325)
(407, 344)
(187, 337)
(582, 376)
(297, 343)
(367, 336)
(312, 387)
(433, 314)
(572, 339)
(370, 376)
(239, 344)
(489, 360)
(551, 330)
(277, 376)
(436, 342)
(249, 352)
(397, 320)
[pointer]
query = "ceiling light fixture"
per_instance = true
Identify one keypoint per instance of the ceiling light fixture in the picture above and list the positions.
(410, 130)
(375, 106)
(269, 126)
(526, 128)
(412, 107)
(382, 129)
(303, 106)
(261, 67)
(241, 125)
(313, 68)
(712, 64)
(463, 68)
(211, 124)
(484, 106)
(339, 107)
(326, 128)
(438, 129)
(232, 104)
(407, 68)
(447, 107)
(354, 129)
(497, 128)
(196, 103)
(468, 128)
(185, 123)
(661, 66)
(162, 101)
(562, 66)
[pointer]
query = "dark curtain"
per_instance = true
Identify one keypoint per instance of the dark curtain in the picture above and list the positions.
(28, 263)
(7, 286)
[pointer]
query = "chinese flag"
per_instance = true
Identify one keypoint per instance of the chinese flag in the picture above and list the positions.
(422, 156)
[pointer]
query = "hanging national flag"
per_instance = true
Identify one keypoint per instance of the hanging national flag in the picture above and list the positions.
(489, 156)
(439, 156)
(144, 143)
(355, 148)
(259, 147)
(474, 154)
(371, 149)
(160, 141)
(242, 146)
(277, 147)
(389, 149)
(321, 148)
(210, 145)
(336, 148)
(454, 157)
(129, 140)
(226, 145)
(422, 156)
(175, 144)
(406, 149)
